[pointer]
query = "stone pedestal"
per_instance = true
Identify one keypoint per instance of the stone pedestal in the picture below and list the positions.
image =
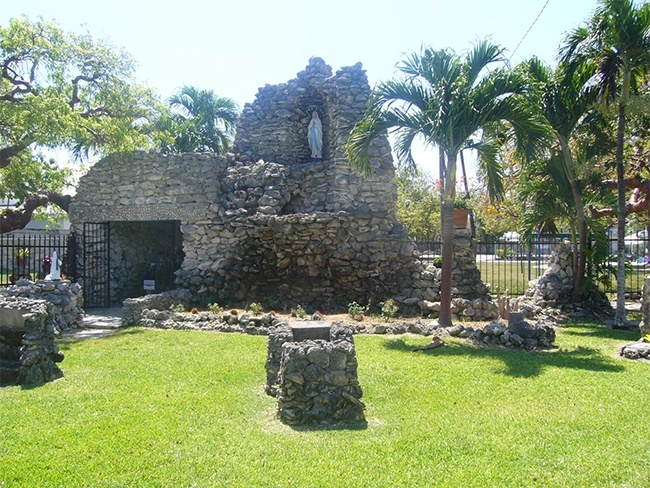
(28, 354)
(316, 380)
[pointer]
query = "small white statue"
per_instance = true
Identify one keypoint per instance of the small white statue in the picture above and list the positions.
(55, 272)
(315, 136)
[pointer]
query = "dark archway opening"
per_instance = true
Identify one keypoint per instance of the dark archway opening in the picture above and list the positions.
(150, 251)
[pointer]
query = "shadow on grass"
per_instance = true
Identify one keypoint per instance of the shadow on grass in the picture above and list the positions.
(328, 427)
(67, 340)
(602, 332)
(521, 364)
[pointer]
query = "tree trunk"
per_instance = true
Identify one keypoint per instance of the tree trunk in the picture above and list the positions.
(619, 319)
(579, 253)
(447, 230)
(18, 217)
(472, 224)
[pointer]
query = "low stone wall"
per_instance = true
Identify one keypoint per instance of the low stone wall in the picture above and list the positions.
(133, 308)
(65, 298)
(28, 354)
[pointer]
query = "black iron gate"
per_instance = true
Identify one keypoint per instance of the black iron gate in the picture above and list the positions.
(95, 272)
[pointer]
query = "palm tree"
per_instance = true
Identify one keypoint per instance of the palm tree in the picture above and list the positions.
(451, 102)
(564, 103)
(200, 121)
(615, 46)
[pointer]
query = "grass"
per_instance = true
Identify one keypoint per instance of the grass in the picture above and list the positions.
(176, 408)
(514, 275)
(511, 275)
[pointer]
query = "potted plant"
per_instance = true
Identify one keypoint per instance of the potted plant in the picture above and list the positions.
(461, 210)
(22, 255)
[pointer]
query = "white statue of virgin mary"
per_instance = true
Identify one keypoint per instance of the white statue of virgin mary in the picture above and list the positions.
(315, 136)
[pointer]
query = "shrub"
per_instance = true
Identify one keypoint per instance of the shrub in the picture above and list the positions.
(437, 262)
(388, 309)
(177, 307)
(255, 308)
(215, 308)
(355, 310)
(301, 312)
(504, 253)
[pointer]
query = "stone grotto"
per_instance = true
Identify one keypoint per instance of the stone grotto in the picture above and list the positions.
(267, 222)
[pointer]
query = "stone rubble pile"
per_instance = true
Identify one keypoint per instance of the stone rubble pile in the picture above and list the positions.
(550, 294)
(28, 354)
(636, 350)
(519, 334)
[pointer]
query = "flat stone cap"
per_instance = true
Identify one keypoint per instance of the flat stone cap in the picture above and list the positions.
(12, 318)
(311, 330)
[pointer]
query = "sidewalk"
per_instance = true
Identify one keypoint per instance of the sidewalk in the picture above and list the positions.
(97, 323)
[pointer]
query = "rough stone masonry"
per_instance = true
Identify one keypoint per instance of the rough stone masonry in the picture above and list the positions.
(267, 223)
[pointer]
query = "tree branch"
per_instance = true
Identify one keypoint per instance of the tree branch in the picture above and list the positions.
(18, 217)
(74, 99)
(10, 152)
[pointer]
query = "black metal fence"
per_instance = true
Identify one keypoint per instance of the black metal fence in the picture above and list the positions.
(509, 265)
(506, 265)
(28, 255)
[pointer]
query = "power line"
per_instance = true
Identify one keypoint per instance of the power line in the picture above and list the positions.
(529, 29)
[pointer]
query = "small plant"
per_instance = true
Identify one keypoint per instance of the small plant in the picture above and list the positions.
(194, 310)
(300, 312)
(356, 311)
(504, 253)
(437, 262)
(255, 308)
(22, 253)
(215, 308)
(462, 201)
(388, 309)
(177, 307)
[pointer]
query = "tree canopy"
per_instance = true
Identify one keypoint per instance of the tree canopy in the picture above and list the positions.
(62, 90)
(454, 102)
(199, 120)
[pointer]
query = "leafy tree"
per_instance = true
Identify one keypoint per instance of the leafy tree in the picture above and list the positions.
(63, 90)
(614, 46)
(454, 102)
(565, 103)
(418, 205)
(199, 121)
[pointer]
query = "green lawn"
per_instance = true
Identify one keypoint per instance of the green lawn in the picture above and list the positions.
(177, 408)
(511, 275)
(514, 275)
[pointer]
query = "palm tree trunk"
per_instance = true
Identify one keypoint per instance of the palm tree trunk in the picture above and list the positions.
(447, 230)
(619, 319)
(472, 225)
(580, 255)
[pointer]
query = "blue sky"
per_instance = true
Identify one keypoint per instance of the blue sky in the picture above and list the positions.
(235, 47)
